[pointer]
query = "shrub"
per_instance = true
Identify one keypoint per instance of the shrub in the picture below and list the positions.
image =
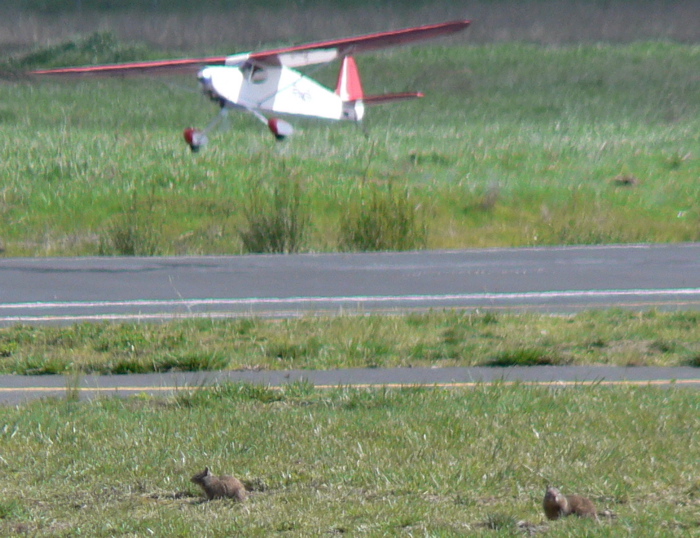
(129, 235)
(134, 232)
(525, 356)
(277, 218)
(383, 220)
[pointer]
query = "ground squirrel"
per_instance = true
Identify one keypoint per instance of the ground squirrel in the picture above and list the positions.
(557, 505)
(219, 487)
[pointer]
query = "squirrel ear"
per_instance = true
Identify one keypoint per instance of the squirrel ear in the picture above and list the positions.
(206, 471)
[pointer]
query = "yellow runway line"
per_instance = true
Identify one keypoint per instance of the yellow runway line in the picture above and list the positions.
(450, 385)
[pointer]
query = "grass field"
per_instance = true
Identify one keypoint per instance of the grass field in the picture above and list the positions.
(515, 144)
(409, 462)
(613, 337)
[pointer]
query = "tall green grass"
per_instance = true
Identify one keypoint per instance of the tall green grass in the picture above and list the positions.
(382, 218)
(513, 145)
(277, 216)
(355, 462)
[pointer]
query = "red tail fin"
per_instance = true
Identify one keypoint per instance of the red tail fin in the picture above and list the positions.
(349, 85)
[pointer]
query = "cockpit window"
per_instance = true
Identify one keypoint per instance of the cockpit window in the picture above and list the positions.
(254, 73)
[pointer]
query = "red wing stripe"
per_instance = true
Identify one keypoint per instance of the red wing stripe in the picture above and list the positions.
(371, 41)
(158, 65)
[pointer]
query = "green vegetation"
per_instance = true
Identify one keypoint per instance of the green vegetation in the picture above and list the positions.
(277, 218)
(99, 47)
(382, 219)
(513, 145)
(363, 463)
(437, 339)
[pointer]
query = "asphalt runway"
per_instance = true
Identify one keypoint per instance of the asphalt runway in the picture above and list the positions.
(15, 390)
(551, 279)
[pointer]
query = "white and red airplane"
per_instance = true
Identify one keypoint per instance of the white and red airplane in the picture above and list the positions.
(266, 82)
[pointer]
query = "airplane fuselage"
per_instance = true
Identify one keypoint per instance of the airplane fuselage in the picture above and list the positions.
(276, 89)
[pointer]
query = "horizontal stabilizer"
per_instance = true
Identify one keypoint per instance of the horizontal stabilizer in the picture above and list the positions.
(390, 98)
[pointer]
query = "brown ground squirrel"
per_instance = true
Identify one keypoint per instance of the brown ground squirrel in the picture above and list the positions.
(219, 487)
(557, 505)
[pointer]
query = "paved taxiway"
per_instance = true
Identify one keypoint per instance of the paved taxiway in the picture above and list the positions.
(19, 389)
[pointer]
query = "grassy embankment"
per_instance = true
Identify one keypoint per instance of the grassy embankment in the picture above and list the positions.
(378, 463)
(514, 145)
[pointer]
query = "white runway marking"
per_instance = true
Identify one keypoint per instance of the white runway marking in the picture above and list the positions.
(508, 296)
(162, 309)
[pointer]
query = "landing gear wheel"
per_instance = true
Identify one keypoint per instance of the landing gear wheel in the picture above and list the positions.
(280, 128)
(195, 138)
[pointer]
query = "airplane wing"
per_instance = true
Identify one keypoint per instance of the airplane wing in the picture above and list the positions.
(297, 56)
(169, 67)
(326, 51)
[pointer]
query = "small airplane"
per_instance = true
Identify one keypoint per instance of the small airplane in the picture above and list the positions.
(267, 81)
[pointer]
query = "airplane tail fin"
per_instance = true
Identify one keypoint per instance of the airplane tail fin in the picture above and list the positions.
(349, 89)
(349, 86)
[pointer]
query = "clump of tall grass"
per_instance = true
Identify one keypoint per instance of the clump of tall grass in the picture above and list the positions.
(128, 237)
(501, 522)
(277, 218)
(694, 360)
(134, 232)
(11, 508)
(383, 219)
(526, 356)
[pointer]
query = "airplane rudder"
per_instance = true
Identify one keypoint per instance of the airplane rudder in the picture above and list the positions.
(349, 86)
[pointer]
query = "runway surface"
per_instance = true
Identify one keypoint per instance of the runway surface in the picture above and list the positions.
(19, 389)
(556, 279)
